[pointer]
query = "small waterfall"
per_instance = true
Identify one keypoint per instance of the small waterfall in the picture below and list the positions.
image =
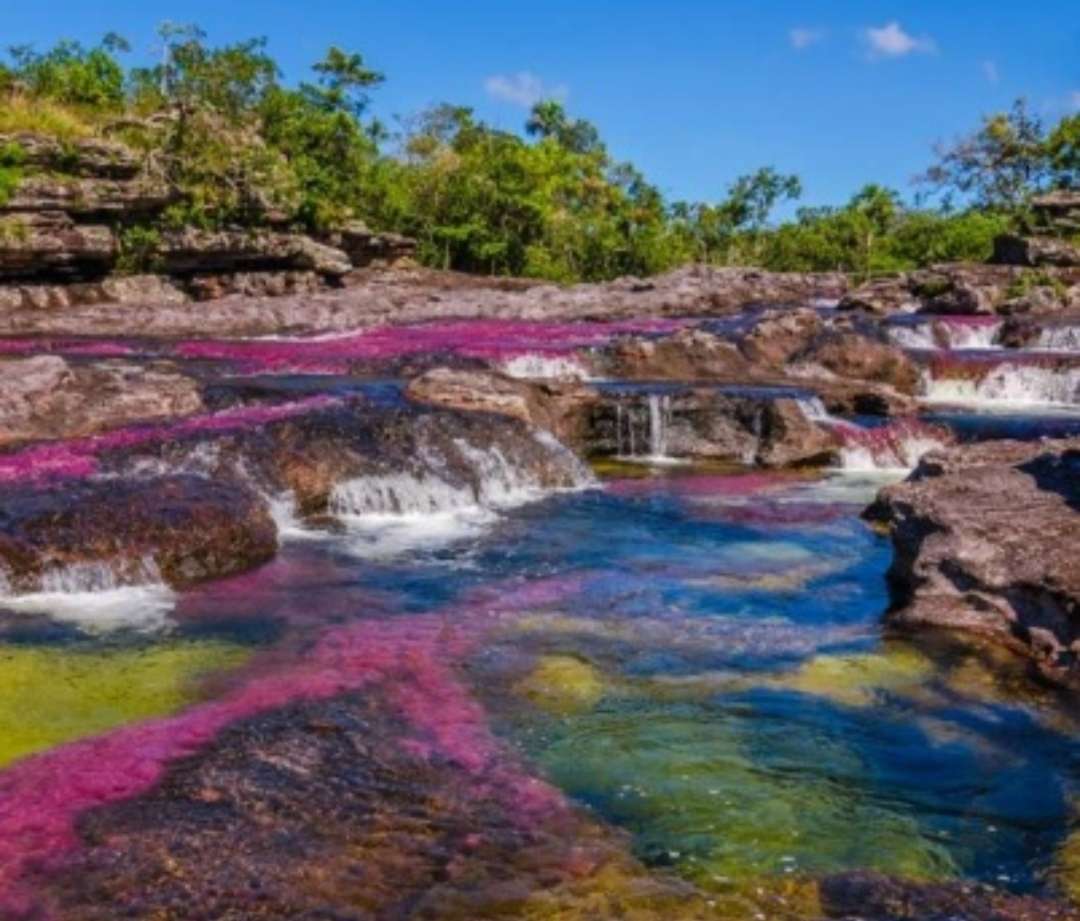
(956, 333)
(813, 410)
(1006, 384)
(642, 431)
(98, 597)
(659, 420)
(896, 446)
(534, 366)
(1059, 339)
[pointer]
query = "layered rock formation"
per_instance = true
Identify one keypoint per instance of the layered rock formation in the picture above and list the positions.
(46, 397)
(66, 228)
(985, 540)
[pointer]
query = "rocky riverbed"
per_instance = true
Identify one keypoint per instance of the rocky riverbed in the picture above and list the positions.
(403, 594)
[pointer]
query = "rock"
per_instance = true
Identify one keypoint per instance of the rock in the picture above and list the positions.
(191, 251)
(560, 408)
(366, 248)
(88, 198)
(779, 335)
(408, 296)
(882, 296)
(858, 357)
(686, 355)
(77, 157)
(31, 247)
(1058, 210)
(44, 397)
(254, 284)
(866, 896)
(966, 559)
(184, 528)
(114, 290)
(1011, 249)
(789, 439)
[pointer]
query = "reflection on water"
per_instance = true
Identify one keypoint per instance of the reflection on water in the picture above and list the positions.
(694, 657)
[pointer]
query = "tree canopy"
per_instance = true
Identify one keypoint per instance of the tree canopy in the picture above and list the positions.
(244, 148)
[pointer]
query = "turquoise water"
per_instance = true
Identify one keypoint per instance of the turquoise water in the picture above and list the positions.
(712, 676)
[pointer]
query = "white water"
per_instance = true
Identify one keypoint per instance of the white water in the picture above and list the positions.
(892, 457)
(642, 432)
(1008, 385)
(935, 334)
(96, 599)
(389, 514)
(1059, 339)
(545, 367)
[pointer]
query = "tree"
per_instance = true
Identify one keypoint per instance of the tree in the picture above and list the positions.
(1063, 150)
(343, 82)
(998, 166)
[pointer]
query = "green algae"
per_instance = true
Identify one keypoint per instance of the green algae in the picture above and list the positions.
(859, 680)
(51, 695)
(562, 684)
(689, 788)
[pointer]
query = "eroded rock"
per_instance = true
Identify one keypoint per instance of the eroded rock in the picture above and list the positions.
(985, 538)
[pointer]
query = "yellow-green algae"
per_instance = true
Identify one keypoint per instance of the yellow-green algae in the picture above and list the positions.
(50, 695)
(694, 796)
(562, 684)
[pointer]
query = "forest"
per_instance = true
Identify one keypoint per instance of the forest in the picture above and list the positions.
(243, 148)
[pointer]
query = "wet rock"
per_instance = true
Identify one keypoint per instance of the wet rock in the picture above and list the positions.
(331, 810)
(863, 896)
(46, 397)
(966, 559)
(686, 355)
(1011, 249)
(857, 357)
(184, 529)
(559, 408)
(779, 335)
(789, 439)
(882, 296)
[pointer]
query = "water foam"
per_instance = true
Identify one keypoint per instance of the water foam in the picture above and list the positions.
(535, 366)
(1007, 384)
(96, 598)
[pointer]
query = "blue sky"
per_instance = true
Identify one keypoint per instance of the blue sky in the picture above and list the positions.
(694, 92)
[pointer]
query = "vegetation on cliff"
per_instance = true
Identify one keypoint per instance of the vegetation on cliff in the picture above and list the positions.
(243, 148)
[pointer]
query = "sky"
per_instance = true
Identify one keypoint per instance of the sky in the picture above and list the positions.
(693, 92)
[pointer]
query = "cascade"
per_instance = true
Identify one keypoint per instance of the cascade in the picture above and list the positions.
(536, 366)
(642, 431)
(1059, 339)
(1007, 384)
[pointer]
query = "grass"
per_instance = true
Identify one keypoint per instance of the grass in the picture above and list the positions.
(39, 116)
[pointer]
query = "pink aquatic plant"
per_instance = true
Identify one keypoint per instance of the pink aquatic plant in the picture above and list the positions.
(485, 339)
(42, 796)
(77, 457)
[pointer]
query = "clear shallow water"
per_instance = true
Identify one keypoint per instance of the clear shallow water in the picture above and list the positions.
(692, 656)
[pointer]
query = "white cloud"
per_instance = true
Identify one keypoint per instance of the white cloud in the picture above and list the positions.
(523, 89)
(804, 36)
(891, 41)
(991, 72)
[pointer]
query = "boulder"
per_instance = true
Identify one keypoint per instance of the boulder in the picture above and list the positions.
(113, 290)
(365, 247)
(857, 357)
(686, 355)
(780, 334)
(185, 529)
(967, 559)
(1011, 249)
(45, 397)
(192, 251)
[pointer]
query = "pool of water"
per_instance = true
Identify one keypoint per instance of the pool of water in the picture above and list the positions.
(694, 657)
